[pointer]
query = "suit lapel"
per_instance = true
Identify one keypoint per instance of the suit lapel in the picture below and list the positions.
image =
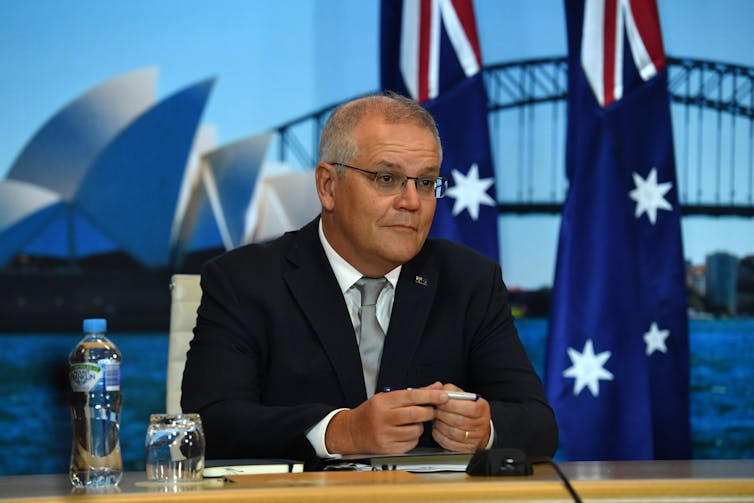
(414, 295)
(325, 309)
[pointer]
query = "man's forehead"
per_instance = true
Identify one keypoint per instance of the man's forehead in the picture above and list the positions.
(371, 127)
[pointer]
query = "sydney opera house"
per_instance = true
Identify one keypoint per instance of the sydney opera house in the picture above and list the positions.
(117, 191)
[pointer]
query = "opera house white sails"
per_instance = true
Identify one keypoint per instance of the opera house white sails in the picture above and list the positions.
(116, 170)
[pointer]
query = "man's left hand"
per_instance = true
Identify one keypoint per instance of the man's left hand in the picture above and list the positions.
(461, 425)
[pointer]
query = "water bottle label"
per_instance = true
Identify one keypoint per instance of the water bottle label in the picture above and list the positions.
(111, 374)
(84, 376)
(104, 376)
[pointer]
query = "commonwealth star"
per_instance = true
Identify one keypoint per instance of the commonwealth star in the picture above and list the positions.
(588, 369)
(469, 191)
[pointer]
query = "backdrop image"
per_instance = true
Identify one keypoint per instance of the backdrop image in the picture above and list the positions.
(604, 157)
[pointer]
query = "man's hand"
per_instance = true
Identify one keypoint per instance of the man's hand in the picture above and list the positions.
(461, 425)
(387, 423)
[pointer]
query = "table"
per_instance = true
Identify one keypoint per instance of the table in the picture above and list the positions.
(619, 481)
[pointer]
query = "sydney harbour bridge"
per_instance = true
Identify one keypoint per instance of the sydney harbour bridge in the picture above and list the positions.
(712, 107)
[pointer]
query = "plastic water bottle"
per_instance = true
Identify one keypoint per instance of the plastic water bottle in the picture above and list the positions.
(94, 374)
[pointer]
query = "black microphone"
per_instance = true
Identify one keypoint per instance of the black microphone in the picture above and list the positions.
(499, 462)
(508, 461)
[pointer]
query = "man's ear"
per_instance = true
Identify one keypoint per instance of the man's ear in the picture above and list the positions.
(326, 178)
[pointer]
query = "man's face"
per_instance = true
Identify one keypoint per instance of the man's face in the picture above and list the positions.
(376, 232)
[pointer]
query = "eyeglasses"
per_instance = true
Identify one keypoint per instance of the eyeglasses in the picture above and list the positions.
(389, 183)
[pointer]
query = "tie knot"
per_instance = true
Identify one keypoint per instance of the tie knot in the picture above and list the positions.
(370, 289)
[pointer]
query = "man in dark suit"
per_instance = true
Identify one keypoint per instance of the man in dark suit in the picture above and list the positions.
(275, 368)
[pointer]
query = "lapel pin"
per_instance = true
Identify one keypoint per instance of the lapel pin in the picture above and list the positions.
(420, 280)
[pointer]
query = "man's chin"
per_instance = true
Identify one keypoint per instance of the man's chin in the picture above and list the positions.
(402, 255)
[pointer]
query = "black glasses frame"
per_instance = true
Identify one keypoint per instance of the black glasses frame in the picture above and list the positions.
(440, 186)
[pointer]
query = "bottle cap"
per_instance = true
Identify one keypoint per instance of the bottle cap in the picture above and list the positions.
(95, 325)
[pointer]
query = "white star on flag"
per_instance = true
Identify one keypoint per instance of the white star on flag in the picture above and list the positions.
(649, 195)
(655, 339)
(469, 191)
(588, 369)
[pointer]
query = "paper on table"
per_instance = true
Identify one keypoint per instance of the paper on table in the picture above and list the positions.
(228, 467)
(418, 460)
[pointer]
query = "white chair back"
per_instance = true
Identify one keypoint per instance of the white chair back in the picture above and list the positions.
(185, 294)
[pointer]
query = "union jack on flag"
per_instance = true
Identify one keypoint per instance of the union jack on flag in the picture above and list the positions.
(606, 23)
(430, 52)
(618, 357)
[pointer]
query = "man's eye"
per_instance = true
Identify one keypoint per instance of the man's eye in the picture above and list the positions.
(428, 183)
(385, 178)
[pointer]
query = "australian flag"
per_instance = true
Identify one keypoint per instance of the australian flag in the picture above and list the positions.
(430, 52)
(618, 355)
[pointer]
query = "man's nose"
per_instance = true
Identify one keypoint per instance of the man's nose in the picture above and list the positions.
(409, 197)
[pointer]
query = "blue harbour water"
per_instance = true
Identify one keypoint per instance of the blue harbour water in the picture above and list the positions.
(35, 430)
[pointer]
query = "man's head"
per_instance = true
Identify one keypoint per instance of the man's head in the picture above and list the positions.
(374, 227)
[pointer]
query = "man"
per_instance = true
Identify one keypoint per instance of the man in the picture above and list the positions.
(275, 368)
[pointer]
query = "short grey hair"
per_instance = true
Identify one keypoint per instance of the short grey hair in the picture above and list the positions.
(336, 144)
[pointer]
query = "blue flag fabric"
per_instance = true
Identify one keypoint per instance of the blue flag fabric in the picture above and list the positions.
(430, 52)
(618, 358)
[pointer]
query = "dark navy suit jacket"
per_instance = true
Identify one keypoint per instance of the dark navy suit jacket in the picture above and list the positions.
(274, 349)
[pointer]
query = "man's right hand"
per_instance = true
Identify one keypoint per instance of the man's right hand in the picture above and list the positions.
(387, 423)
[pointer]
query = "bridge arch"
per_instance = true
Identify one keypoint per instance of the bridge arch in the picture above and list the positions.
(712, 106)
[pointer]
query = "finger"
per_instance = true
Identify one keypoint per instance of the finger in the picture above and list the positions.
(442, 439)
(455, 426)
(415, 396)
(372, 427)
(398, 438)
(470, 397)
(463, 434)
(453, 419)
(464, 408)
(396, 408)
(412, 414)
(405, 432)
(456, 433)
(435, 385)
(454, 441)
(451, 387)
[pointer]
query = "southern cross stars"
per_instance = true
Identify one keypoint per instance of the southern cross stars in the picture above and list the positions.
(655, 339)
(649, 195)
(469, 191)
(588, 369)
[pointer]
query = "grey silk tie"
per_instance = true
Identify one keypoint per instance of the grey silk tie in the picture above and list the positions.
(371, 337)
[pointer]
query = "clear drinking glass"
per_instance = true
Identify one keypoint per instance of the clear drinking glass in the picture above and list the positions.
(175, 448)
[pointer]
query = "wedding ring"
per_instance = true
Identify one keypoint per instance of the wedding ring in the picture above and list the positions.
(465, 436)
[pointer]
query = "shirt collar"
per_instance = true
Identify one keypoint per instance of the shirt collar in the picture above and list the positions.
(345, 273)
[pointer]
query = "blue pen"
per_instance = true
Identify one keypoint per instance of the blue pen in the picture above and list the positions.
(455, 395)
